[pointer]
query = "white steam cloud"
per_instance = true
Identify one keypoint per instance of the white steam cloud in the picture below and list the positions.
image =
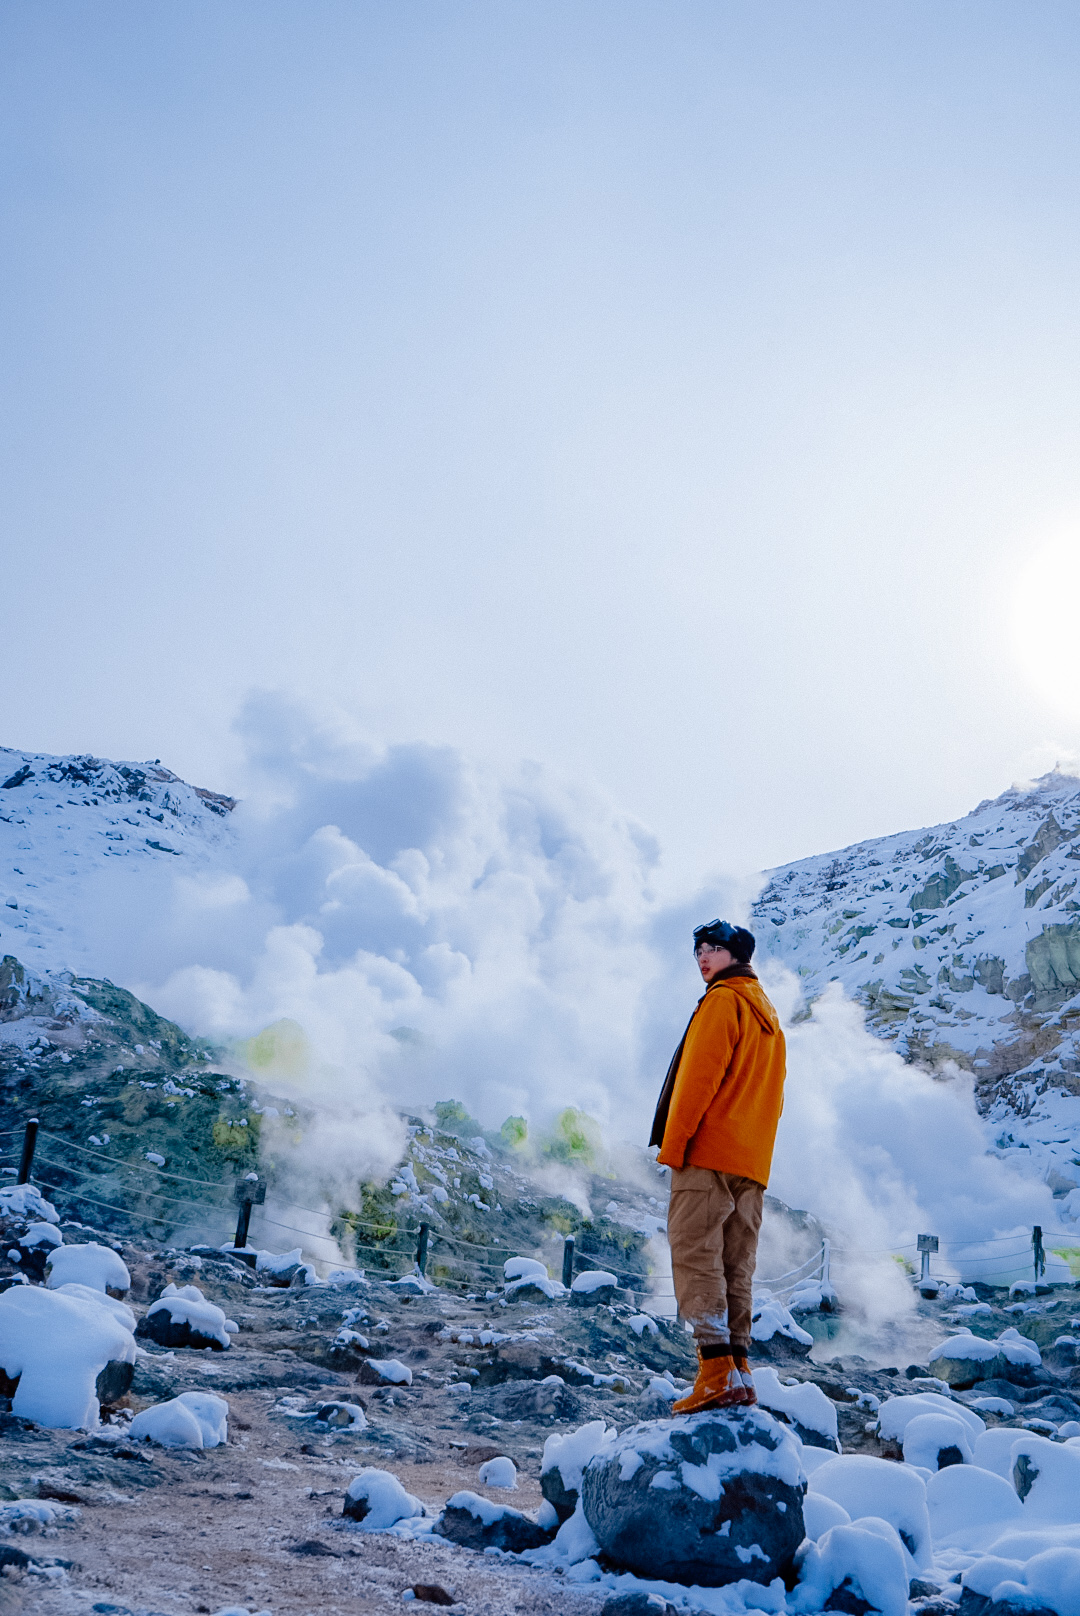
(439, 931)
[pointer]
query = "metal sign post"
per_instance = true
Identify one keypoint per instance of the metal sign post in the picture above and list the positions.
(926, 1244)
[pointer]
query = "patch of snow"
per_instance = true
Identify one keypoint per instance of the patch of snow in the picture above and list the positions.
(192, 1420)
(866, 1486)
(523, 1268)
(594, 1279)
(386, 1498)
(391, 1370)
(800, 1401)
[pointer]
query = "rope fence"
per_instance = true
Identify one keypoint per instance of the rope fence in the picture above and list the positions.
(223, 1199)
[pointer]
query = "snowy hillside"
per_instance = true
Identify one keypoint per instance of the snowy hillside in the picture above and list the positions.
(64, 820)
(962, 942)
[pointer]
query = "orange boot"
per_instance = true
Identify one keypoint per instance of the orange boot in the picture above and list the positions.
(718, 1385)
(746, 1375)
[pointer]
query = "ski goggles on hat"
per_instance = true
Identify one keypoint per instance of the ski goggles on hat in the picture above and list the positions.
(717, 933)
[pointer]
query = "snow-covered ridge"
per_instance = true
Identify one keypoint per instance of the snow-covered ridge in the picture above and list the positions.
(64, 820)
(962, 942)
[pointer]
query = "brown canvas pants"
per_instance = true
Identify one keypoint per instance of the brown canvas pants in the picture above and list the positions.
(713, 1224)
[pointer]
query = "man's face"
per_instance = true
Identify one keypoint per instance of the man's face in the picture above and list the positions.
(712, 960)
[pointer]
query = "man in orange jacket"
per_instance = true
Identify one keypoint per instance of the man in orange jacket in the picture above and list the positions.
(716, 1125)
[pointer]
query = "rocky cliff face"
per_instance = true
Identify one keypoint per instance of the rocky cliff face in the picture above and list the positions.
(962, 942)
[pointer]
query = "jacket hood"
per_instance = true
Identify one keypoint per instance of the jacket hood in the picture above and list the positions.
(752, 993)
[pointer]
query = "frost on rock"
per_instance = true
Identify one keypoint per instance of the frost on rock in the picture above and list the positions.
(192, 1420)
(378, 1501)
(865, 1559)
(803, 1406)
(182, 1317)
(98, 1267)
(866, 1486)
(709, 1498)
(56, 1347)
(565, 1457)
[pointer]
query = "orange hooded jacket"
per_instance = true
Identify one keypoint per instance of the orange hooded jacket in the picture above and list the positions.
(729, 1083)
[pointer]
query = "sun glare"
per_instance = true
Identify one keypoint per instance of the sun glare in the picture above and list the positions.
(1046, 620)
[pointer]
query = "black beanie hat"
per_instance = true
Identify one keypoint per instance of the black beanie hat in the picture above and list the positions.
(736, 939)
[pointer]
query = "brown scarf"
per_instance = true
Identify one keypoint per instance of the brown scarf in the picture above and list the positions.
(663, 1105)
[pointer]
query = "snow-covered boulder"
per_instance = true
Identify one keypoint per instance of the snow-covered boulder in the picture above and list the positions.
(966, 1359)
(897, 1413)
(523, 1268)
(182, 1317)
(341, 1416)
(56, 1348)
(477, 1523)
(98, 1267)
(565, 1457)
(378, 1501)
(500, 1472)
(866, 1486)
(192, 1420)
(820, 1514)
(25, 1201)
(279, 1268)
(969, 1507)
(1046, 1476)
(534, 1288)
(706, 1498)
(800, 1404)
(384, 1372)
(936, 1441)
(31, 1249)
(776, 1332)
(592, 1287)
(1048, 1582)
(864, 1561)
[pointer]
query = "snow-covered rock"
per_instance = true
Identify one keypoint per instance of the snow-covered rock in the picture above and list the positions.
(57, 1347)
(865, 1559)
(26, 1201)
(523, 1268)
(378, 1501)
(385, 1372)
(1047, 1477)
(182, 1317)
(936, 1441)
(500, 1472)
(896, 1414)
(866, 1486)
(98, 1267)
(771, 1321)
(593, 1286)
(969, 1506)
(800, 1404)
(534, 1288)
(708, 1498)
(192, 1420)
(477, 1523)
(966, 1359)
(565, 1457)
(279, 1268)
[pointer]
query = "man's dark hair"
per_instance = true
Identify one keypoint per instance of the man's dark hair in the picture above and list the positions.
(736, 939)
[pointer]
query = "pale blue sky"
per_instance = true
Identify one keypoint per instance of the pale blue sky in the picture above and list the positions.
(673, 393)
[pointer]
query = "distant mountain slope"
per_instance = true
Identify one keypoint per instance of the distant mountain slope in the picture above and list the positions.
(961, 941)
(63, 819)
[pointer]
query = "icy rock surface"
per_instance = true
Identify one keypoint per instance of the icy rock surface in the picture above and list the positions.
(709, 1498)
